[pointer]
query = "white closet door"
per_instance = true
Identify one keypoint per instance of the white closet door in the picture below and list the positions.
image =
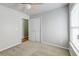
(34, 29)
(74, 23)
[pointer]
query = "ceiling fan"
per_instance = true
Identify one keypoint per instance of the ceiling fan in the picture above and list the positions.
(29, 6)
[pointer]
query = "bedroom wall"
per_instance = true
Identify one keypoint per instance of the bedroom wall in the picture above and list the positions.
(11, 31)
(54, 27)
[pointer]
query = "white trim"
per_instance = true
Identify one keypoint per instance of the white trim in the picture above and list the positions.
(74, 49)
(55, 45)
(71, 50)
(10, 46)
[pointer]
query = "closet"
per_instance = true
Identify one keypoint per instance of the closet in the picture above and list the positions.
(50, 27)
(74, 29)
(34, 29)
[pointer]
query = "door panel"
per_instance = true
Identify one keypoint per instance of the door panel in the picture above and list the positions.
(34, 29)
(74, 22)
(74, 29)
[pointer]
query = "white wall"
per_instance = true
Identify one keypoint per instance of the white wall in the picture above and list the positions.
(55, 27)
(11, 31)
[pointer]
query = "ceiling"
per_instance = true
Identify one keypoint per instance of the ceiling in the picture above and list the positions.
(36, 8)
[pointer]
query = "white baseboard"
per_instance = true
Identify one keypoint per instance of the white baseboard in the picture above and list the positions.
(55, 45)
(10, 46)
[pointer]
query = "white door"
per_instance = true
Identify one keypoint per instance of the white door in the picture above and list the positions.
(34, 29)
(74, 23)
(74, 30)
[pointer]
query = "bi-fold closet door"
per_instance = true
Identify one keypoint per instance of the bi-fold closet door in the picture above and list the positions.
(74, 23)
(35, 29)
(74, 30)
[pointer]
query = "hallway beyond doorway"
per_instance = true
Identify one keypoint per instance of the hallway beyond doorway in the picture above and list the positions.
(25, 30)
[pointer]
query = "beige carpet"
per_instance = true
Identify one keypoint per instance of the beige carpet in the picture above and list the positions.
(35, 49)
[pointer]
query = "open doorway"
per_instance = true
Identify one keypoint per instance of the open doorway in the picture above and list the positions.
(25, 30)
